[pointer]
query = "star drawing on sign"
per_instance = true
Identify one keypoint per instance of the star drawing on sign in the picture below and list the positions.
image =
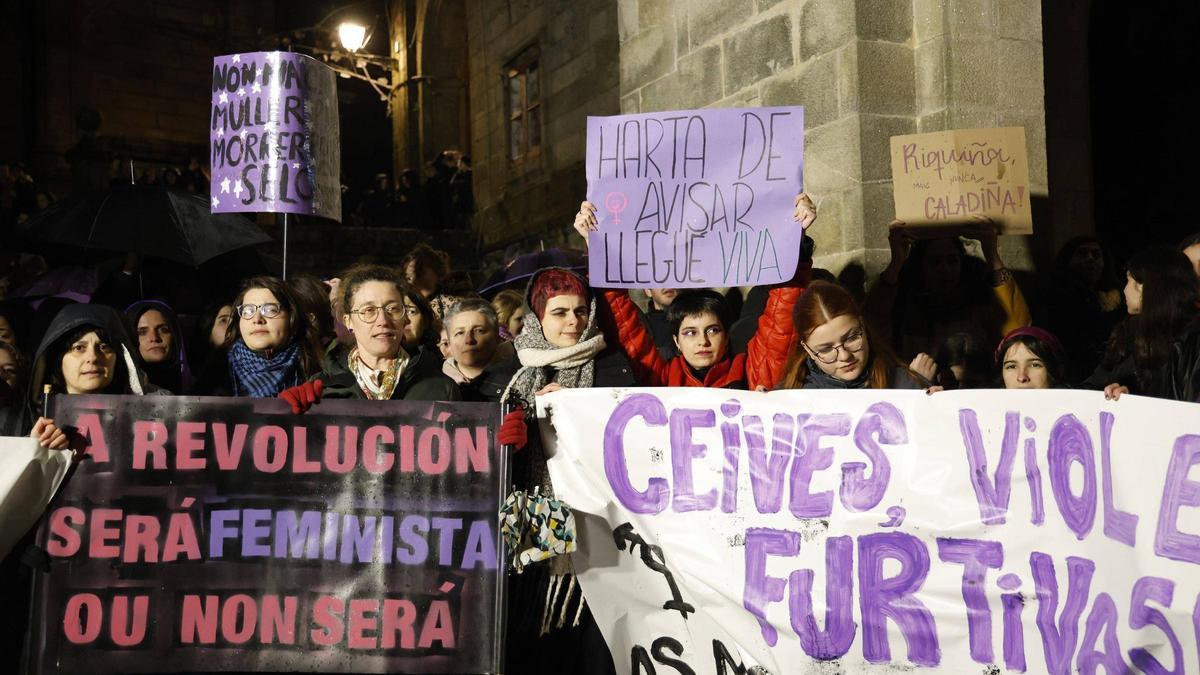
(223, 98)
(242, 91)
(295, 165)
(220, 132)
(237, 189)
(225, 185)
(256, 88)
(216, 202)
(237, 58)
(242, 133)
(269, 126)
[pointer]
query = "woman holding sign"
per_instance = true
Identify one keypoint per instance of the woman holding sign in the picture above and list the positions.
(700, 327)
(933, 288)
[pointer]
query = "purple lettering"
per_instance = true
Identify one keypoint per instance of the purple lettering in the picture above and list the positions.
(1070, 442)
(1058, 639)
(1103, 618)
(992, 497)
(1161, 591)
(835, 640)
(650, 409)
(766, 469)
(1179, 491)
(976, 557)
(1033, 476)
(893, 598)
(1118, 525)
(731, 439)
(760, 589)
(814, 457)
(683, 452)
(220, 529)
(881, 423)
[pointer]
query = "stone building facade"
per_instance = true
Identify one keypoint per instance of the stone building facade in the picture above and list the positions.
(865, 70)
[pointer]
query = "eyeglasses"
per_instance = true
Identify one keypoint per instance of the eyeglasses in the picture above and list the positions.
(269, 310)
(853, 343)
(369, 313)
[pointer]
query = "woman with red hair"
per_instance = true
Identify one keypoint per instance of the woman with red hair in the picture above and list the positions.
(836, 351)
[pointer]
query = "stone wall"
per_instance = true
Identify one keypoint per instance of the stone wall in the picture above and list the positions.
(524, 205)
(144, 65)
(865, 70)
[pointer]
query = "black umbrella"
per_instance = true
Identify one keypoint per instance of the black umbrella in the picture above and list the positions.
(152, 221)
(525, 266)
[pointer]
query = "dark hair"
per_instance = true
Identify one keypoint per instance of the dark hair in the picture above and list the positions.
(1189, 241)
(312, 296)
(356, 275)
(426, 257)
(695, 303)
(54, 356)
(1050, 356)
(432, 327)
(131, 325)
(821, 303)
(974, 279)
(300, 330)
(969, 351)
(1109, 280)
(1170, 293)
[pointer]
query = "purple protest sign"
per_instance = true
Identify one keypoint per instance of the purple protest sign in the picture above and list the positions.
(273, 135)
(695, 198)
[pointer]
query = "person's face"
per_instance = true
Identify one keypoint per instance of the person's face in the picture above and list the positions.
(220, 328)
(1022, 369)
(41, 200)
(565, 319)
(839, 347)
(9, 369)
(1133, 294)
(662, 297)
(444, 343)
(89, 365)
(416, 325)
(423, 278)
(1087, 263)
(380, 337)
(516, 321)
(7, 334)
(701, 339)
(258, 332)
(472, 341)
(155, 341)
(941, 267)
(1193, 254)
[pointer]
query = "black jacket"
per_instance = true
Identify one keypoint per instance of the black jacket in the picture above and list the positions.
(128, 379)
(422, 380)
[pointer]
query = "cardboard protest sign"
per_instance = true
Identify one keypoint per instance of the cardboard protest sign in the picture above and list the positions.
(695, 198)
(949, 176)
(273, 135)
(205, 534)
(882, 531)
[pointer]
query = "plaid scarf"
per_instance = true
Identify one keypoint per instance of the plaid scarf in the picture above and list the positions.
(257, 377)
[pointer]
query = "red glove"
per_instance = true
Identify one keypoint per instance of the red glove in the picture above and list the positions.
(513, 430)
(302, 396)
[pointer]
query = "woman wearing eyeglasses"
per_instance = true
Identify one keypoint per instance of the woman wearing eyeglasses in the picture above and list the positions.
(837, 352)
(272, 345)
(377, 366)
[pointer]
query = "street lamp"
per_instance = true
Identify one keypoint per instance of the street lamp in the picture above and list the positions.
(352, 35)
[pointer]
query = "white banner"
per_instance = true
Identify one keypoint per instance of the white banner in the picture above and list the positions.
(29, 477)
(874, 531)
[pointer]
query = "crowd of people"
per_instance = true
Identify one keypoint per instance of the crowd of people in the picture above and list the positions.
(937, 319)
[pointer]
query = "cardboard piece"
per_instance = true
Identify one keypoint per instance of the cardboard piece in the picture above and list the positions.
(948, 176)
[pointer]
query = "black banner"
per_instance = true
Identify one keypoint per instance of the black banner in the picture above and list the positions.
(217, 534)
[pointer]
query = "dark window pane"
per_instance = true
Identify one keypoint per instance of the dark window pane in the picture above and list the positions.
(516, 104)
(535, 89)
(535, 127)
(515, 140)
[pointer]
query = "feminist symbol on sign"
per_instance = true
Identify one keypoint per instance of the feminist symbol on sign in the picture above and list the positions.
(616, 202)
